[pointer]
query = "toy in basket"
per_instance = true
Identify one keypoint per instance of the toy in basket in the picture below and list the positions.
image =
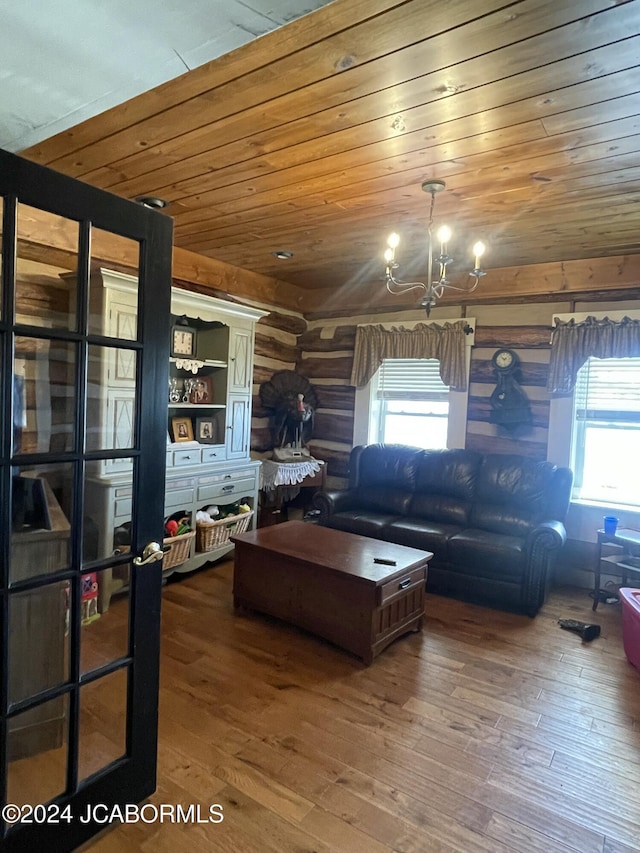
(213, 534)
(176, 546)
(178, 549)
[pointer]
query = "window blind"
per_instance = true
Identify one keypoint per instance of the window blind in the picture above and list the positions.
(608, 388)
(411, 379)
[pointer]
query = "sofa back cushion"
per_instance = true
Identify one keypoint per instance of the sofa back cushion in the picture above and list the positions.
(513, 494)
(445, 485)
(384, 476)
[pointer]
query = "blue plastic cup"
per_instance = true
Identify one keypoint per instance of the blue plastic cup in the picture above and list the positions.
(610, 524)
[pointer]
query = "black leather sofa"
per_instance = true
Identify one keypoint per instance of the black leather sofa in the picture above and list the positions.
(494, 522)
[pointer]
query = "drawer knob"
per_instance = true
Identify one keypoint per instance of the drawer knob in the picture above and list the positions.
(228, 488)
(404, 583)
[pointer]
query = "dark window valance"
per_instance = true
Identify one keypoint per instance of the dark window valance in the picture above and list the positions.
(445, 342)
(573, 343)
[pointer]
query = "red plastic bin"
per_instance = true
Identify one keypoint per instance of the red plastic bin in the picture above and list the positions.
(630, 599)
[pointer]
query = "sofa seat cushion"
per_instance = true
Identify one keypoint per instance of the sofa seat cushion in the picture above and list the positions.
(487, 555)
(422, 534)
(363, 522)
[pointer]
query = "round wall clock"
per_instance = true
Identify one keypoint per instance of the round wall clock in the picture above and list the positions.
(505, 359)
(183, 341)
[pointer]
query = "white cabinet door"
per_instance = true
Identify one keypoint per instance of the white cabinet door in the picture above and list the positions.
(118, 429)
(238, 425)
(122, 368)
(122, 321)
(240, 360)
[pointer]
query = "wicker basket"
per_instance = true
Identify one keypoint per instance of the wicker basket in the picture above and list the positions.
(212, 534)
(178, 549)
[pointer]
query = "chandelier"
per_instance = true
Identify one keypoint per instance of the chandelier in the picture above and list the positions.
(434, 289)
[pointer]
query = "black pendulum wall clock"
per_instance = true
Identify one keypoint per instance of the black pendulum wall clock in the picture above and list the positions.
(509, 404)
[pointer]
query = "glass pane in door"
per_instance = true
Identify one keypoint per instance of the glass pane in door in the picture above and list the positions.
(38, 640)
(37, 753)
(103, 722)
(108, 508)
(104, 617)
(41, 512)
(45, 396)
(113, 295)
(111, 401)
(46, 291)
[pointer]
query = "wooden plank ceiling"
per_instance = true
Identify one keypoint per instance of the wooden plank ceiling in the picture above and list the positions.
(316, 138)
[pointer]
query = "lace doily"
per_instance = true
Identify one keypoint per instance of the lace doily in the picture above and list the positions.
(274, 474)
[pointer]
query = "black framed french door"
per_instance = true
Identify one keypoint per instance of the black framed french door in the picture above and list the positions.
(82, 395)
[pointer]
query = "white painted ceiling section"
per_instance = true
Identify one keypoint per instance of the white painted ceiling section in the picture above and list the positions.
(63, 61)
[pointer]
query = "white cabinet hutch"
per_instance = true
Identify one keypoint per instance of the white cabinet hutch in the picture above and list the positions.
(215, 470)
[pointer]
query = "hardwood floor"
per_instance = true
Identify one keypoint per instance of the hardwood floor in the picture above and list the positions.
(486, 732)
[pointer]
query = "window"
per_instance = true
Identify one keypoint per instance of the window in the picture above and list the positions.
(409, 404)
(606, 431)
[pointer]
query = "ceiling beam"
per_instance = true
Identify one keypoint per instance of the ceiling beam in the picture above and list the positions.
(618, 276)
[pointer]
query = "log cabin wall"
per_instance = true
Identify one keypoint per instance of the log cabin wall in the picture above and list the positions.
(276, 348)
(525, 329)
(326, 359)
(326, 356)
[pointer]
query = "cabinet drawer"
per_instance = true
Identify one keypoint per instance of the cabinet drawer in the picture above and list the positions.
(221, 490)
(123, 507)
(401, 584)
(213, 454)
(176, 484)
(178, 500)
(187, 457)
(227, 476)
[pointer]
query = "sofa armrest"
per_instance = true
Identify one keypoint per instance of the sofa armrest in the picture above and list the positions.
(330, 502)
(547, 536)
(542, 542)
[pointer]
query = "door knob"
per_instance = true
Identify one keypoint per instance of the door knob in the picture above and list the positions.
(151, 554)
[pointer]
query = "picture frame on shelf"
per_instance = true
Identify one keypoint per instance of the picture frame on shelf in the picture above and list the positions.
(206, 431)
(202, 391)
(182, 429)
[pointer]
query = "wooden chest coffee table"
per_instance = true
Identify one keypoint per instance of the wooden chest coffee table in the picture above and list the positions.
(328, 582)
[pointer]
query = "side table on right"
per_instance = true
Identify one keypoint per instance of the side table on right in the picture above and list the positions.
(625, 561)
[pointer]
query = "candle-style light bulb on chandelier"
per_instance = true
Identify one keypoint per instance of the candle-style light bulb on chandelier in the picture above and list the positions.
(434, 289)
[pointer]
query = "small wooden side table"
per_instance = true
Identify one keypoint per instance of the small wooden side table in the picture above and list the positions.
(274, 502)
(624, 562)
